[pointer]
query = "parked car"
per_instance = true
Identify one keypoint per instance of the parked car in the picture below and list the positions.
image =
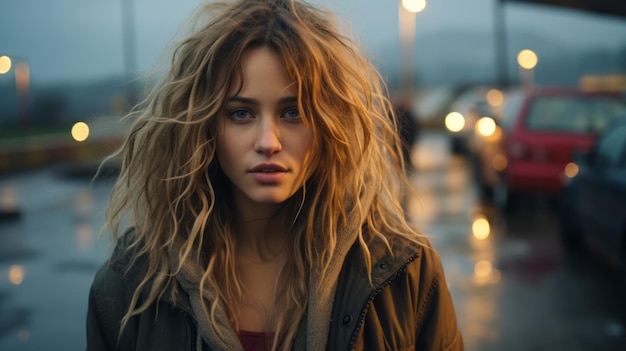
(465, 111)
(593, 208)
(538, 132)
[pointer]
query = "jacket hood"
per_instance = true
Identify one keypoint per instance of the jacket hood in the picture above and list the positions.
(312, 334)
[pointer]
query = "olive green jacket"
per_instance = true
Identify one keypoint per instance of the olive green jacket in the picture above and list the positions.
(407, 307)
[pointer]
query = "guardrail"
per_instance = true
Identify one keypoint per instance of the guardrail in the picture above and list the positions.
(106, 134)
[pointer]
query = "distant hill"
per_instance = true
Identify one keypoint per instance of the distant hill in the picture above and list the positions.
(465, 57)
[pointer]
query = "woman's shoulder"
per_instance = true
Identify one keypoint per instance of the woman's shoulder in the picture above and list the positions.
(426, 259)
(414, 254)
(123, 270)
(111, 293)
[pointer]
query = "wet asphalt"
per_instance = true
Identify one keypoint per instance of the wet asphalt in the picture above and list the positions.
(513, 284)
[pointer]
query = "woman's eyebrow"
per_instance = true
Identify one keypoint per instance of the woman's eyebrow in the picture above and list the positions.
(288, 100)
(251, 101)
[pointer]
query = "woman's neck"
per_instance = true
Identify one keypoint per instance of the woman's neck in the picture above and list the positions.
(261, 255)
(260, 228)
(262, 239)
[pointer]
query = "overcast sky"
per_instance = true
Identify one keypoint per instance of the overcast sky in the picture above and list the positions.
(82, 39)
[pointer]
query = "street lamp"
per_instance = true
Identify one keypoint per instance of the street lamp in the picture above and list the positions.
(22, 84)
(5, 64)
(406, 19)
(527, 60)
(414, 6)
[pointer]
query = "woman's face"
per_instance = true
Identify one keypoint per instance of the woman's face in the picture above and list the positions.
(262, 143)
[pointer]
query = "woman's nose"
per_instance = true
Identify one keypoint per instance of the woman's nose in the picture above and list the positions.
(268, 137)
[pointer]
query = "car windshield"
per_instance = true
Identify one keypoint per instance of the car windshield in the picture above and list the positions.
(573, 114)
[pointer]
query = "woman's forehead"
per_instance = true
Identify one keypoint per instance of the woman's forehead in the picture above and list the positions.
(260, 69)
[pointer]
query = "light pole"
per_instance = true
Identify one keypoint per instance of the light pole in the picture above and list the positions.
(500, 44)
(527, 60)
(22, 85)
(129, 49)
(407, 10)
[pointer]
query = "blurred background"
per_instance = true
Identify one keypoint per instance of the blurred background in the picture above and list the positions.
(513, 113)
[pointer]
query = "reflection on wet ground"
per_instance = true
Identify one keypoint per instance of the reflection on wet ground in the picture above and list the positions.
(48, 256)
(513, 285)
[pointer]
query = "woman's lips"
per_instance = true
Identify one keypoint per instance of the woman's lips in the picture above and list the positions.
(268, 173)
(268, 177)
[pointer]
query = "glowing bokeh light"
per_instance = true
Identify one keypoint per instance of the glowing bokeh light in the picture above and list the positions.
(527, 59)
(5, 64)
(16, 274)
(485, 126)
(414, 6)
(571, 170)
(483, 268)
(481, 228)
(8, 198)
(495, 97)
(455, 122)
(80, 131)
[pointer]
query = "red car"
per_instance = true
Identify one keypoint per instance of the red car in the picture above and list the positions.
(540, 130)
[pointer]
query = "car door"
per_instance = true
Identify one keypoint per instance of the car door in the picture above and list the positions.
(605, 210)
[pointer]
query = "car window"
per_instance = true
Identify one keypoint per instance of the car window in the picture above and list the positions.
(611, 148)
(572, 114)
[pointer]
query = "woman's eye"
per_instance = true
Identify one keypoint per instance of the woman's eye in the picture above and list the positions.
(240, 114)
(292, 113)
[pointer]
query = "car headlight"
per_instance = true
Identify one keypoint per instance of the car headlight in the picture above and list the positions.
(455, 122)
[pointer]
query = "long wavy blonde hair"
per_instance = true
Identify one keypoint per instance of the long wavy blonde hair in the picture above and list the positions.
(170, 184)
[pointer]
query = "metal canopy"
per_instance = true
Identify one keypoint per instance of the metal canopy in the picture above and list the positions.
(604, 7)
(609, 8)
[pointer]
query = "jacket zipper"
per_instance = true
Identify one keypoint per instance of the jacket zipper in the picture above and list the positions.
(373, 295)
(194, 330)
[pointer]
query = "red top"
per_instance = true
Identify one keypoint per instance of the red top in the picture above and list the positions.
(256, 341)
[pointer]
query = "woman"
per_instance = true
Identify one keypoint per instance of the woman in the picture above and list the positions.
(260, 183)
